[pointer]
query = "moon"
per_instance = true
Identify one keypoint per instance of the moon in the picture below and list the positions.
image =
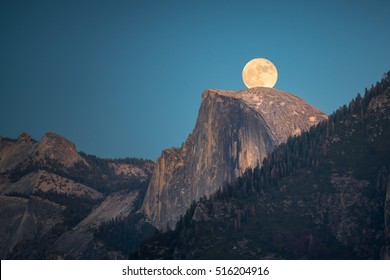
(259, 72)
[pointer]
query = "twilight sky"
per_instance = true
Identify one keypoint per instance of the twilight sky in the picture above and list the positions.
(125, 78)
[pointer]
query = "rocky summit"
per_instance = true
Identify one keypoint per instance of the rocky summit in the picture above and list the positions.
(234, 131)
(52, 148)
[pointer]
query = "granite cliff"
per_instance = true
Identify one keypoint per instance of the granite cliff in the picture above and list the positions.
(234, 131)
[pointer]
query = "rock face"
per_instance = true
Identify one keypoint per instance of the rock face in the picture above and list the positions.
(78, 243)
(24, 151)
(235, 130)
(26, 219)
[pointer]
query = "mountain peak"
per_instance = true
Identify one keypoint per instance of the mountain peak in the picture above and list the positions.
(25, 151)
(25, 137)
(55, 147)
(285, 113)
(55, 141)
(234, 131)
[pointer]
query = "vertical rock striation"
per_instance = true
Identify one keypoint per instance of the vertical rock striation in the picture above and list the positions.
(235, 130)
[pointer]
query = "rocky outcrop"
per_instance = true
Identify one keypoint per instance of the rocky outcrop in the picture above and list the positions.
(132, 171)
(234, 131)
(56, 148)
(46, 182)
(52, 148)
(15, 152)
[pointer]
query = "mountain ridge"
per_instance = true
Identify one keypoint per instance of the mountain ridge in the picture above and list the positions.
(53, 198)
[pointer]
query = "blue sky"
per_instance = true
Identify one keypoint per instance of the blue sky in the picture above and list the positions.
(125, 78)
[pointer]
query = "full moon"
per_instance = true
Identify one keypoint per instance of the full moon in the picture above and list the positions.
(259, 72)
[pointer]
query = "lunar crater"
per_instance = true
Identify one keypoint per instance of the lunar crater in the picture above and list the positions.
(259, 72)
